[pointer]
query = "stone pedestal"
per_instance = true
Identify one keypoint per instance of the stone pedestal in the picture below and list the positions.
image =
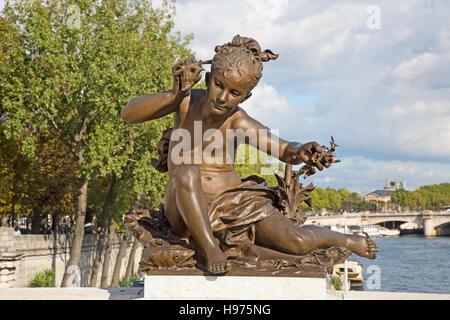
(9, 258)
(200, 287)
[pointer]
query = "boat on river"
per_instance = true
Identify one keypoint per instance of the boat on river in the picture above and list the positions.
(341, 229)
(385, 232)
(354, 273)
(372, 231)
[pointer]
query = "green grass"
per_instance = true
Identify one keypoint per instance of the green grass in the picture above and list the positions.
(129, 283)
(45, 278)
(336, 282)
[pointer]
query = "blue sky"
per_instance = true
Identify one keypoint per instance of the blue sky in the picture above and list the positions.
(373, 74)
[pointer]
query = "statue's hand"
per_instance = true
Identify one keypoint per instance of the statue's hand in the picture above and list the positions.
(307, 153)
(186, 74)
(131, 223)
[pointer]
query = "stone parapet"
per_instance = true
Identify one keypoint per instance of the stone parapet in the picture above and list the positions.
(22, 257)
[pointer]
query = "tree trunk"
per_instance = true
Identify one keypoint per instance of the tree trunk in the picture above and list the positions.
(77, 241)
(98, 257)
(107, 259)
(120, 256)
(13, 216)
(55, 219)
(102, 236)
(36, 222)
(131, 260)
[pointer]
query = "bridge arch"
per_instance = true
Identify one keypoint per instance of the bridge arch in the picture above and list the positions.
(443, 229)
(395, 222)
(392, 223)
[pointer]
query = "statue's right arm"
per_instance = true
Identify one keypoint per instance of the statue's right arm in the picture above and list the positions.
(185, 74)
(151, 106)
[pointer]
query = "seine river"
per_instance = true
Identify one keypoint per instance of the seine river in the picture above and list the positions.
(409, 263)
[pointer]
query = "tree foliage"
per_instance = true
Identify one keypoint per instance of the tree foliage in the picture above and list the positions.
(430, 197)
(337, 200)
(69, 68)
(72, 65)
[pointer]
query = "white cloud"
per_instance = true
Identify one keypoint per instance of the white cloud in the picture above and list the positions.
(271, 109)
(383, 94)
(415, 67)
(423, 108)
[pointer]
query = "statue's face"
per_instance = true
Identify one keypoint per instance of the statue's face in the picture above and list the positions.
(226, 91)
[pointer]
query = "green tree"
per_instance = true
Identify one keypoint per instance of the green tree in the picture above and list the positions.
(71, 66)
(2, 24)
(430, 197)
(249, 161)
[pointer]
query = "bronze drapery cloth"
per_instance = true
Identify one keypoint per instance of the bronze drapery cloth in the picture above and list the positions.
(234, 212)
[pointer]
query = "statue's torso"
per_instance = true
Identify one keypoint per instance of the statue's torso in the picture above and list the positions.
(214, 158)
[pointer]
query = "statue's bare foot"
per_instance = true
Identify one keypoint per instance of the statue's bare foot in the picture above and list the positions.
(363, 246)
(216, 262)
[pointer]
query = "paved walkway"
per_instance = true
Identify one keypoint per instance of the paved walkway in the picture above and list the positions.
(376, 295)
(138, 293)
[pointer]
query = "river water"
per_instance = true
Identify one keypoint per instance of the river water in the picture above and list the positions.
(411, 263)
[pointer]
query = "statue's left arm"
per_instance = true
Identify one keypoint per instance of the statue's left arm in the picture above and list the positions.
(260, 137)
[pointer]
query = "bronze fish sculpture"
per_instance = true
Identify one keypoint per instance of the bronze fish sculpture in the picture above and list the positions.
(166, 256)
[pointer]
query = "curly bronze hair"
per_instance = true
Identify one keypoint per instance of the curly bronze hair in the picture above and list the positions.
(242, 55)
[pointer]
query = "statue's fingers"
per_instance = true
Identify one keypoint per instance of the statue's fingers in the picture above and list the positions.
(197, 73)
(303, 157)
(325, 163)
(177, 73)
(185, 88)
(318, 166)
(316, 147)
(178, 66)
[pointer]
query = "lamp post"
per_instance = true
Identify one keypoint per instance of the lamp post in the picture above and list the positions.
(346, 284)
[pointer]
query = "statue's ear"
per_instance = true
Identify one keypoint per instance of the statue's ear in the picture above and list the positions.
(246, 97)
(207, 78)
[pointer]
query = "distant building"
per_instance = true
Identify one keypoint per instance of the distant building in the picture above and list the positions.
(395, 184)
(384, 195)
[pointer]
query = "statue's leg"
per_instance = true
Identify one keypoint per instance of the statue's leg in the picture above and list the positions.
(279, 233)
(187, 210)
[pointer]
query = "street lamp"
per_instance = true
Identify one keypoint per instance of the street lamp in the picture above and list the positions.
(346, 284)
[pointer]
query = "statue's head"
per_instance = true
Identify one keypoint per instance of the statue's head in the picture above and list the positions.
(237, 67)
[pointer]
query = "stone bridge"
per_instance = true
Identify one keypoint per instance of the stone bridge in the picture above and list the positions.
(434, 223)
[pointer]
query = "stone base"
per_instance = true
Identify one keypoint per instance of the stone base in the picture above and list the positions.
(182, 287)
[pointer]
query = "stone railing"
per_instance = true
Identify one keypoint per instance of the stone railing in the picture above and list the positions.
(22, 257)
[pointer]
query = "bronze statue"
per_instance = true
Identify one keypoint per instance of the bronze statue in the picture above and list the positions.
(209, 211)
